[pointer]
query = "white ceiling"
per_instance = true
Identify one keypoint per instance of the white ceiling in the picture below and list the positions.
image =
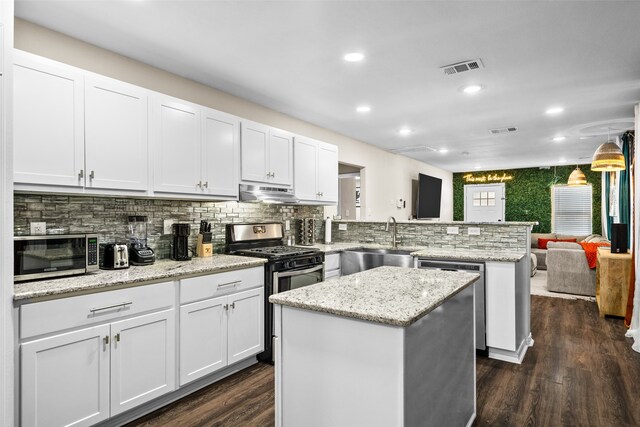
(287, 55)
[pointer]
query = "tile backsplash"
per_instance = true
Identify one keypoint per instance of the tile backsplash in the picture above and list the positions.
(108, 216)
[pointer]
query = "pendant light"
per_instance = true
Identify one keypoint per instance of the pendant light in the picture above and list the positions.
(608, 158)
(577, 177)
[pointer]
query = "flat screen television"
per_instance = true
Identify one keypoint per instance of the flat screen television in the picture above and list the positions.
(429, 197)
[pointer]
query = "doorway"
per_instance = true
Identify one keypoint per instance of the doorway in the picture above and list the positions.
(350, 194)
(484, 203)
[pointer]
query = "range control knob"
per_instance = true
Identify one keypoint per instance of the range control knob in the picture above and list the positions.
(318, 259)
(291, 264)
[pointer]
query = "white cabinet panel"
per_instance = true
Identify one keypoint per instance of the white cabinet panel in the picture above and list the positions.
(246, 331)
(115, 134)
(280, 157)
(328, 172)
(48, 122)
(65, 379)
(255, 139)
(175, 132)
(220, 153)
(203, 338)
(142, 360)
(306, 169)
(500, 305)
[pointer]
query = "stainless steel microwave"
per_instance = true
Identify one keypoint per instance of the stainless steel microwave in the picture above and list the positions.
(55, 255)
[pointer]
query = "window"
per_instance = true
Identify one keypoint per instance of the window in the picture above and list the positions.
(571, 209)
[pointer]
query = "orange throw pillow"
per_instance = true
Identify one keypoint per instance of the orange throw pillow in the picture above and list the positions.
(542, 243)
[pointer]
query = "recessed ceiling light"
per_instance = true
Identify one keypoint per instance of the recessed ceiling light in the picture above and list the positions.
(554, 110)
(354, 57)
(471, 89)
(559, 138)
(443, 151)
(562, 161)
(477, 167)
(405, 131)
(363, 109)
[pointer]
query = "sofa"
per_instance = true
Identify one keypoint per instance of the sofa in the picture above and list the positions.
(568, 270)
(541, 252)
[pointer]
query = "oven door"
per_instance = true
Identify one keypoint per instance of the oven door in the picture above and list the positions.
(293, 279)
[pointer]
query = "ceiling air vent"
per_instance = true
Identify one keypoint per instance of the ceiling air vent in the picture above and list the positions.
(461, 67)
(498, 131)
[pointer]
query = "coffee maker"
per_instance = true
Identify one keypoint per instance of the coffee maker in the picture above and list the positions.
(180, 248)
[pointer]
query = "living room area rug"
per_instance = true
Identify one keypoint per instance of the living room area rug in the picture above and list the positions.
(539, 287)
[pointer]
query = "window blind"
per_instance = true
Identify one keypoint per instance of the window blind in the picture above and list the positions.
(571, 209)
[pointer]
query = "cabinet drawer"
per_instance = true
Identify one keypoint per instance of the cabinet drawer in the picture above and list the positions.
(215, 285)
(331, 262)
(51, 316)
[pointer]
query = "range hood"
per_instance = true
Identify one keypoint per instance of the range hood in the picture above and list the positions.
(257, 193)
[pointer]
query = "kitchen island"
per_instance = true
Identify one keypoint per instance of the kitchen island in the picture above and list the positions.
(388, 346)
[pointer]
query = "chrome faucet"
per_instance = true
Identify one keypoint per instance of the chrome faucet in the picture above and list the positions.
(394, 231)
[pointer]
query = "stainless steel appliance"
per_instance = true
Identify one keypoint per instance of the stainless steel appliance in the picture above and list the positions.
(260, 193)
(114, 256)
(180, 248)
(40, 257)
(479, 289)
(287, 267)
(139, 252)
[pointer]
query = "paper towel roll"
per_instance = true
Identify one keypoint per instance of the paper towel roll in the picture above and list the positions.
(327, 230)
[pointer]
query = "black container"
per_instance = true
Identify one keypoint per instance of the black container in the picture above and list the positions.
(180, 249)
(619, 243)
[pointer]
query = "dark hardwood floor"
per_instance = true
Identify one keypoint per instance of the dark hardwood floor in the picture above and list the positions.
(580, 372)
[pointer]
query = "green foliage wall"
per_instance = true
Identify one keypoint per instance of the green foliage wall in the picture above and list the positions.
(529, 194)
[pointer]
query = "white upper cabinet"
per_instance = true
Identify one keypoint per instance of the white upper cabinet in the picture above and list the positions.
(115, 134)
(195, 149)
(266, 154)
(175, 136)
(220, 153)
(315, 171)
(48, 122)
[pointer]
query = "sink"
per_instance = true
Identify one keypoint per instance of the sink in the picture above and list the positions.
(356, 260)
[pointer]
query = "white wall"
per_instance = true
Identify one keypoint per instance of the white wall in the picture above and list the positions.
(385, 176)
(6, 221)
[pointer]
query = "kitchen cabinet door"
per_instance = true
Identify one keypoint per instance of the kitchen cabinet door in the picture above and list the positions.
(305, 167)
(246, 324)
(220, 153)
(280, 157)
(115, 134)
(142, 359)
(48, 126)
(203, 338)
(65, 379)
(328, 172)
(254, 152)
(175, 139)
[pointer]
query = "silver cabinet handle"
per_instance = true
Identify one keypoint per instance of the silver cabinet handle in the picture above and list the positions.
(199, 184)
(235, 282)
(117, 337)
(91, 176)
(233, 305)
(226, 306)
(81, 174)
(206, 184)
(273, 174)
(107, 307)
(106, 340)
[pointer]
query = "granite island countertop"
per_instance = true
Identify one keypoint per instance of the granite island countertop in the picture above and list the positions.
(390, 295)
(103, 280)
(462, 254)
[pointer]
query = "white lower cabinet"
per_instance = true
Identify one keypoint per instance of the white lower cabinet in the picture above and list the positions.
(83, 376)
(218, 332)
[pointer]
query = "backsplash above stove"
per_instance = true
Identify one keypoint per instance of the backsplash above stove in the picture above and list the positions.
(108, 216)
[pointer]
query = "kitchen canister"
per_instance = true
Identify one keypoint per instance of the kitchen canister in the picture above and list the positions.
(307, 231)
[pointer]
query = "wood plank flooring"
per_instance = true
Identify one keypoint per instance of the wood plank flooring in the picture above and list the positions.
(580, 372)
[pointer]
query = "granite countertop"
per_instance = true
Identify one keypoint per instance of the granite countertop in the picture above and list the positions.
(134, 275)
(391, 295)
(462, 254)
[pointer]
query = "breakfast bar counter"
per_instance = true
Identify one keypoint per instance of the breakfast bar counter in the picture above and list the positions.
(387, 346)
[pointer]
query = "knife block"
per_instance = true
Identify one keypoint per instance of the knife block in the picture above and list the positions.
(204, 247)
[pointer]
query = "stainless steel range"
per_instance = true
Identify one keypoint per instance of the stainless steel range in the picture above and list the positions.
(288, 267)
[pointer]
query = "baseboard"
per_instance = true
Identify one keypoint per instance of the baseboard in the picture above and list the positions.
(512, 356)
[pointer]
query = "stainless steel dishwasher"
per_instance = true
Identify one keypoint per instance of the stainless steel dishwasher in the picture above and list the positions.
(469, 267)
